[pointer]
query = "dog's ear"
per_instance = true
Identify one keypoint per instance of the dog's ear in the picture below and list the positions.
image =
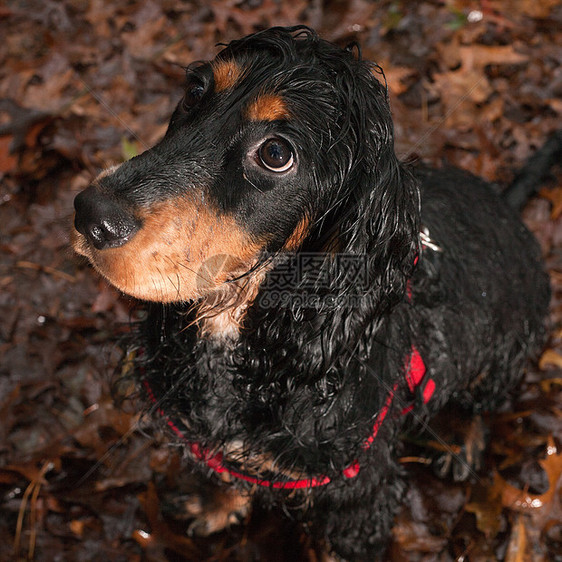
(379, 217)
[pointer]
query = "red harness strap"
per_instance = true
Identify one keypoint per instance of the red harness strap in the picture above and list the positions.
(414, 372)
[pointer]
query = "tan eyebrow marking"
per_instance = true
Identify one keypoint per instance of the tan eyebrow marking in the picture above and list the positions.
(226, 74)
(267, 107)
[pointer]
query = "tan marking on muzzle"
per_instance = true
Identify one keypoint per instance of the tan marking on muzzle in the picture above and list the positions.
(183, 251)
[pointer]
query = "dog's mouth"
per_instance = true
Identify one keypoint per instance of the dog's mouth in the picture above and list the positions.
(176, 251)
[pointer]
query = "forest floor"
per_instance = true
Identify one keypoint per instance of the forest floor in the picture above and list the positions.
(88, 84)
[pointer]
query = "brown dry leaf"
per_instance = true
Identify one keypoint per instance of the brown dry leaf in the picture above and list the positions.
(555, 104)
(103, 414)
(463, 88)
(480, 56)
(130, 470)
(395, 75)
(161, 537)
(33, 471)
(99, 15)
(555, 197)
(248, 19)
(8, 161)
(49, 95)
(20, 131)
(77, 527)
(141, 42)
(517, 547)
(347, 17)
(547, 384)
(449, 53)
(412, 537)
(522, 501)
(460, 91)
(493, 111)
(487, 506)
(550, 357)
(531, 8)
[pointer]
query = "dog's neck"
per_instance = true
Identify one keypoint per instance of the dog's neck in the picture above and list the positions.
(224, 326)
(221, 313)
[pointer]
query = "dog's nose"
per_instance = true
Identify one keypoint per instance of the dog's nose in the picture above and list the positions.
(102, 220)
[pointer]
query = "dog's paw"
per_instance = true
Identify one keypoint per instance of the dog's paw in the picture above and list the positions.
(225, 509)
(462, 461)
(208, 508)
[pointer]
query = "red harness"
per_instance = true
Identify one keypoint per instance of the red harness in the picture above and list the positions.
(414, 372)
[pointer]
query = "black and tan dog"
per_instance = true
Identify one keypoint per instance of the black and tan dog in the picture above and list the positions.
(312, 298)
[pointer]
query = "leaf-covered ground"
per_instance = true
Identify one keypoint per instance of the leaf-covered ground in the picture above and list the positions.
(85, 84)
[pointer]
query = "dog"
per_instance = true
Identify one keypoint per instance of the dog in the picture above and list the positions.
(309, 297)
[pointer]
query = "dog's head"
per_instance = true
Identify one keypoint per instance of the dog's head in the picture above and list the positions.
(283, 140)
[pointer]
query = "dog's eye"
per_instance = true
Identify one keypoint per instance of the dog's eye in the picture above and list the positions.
(193, 93)
(276, 155)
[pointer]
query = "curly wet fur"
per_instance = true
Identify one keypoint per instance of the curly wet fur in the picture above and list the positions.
(300, 386)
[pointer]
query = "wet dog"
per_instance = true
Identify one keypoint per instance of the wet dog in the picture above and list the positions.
(311, 297)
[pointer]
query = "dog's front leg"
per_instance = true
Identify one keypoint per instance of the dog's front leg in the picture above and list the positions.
(207, 506)
(357, 519)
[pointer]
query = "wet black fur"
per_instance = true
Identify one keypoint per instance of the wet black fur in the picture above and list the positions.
(304, 384)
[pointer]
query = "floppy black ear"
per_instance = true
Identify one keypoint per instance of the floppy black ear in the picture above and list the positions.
(379, 216)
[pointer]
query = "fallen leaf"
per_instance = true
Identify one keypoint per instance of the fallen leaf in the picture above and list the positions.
(395, 77)
(521, 500)
(554, 195)
(8, 161)
(479, 56)
(486, 505)
(535, 9)
(517, 547)
(550, 357)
